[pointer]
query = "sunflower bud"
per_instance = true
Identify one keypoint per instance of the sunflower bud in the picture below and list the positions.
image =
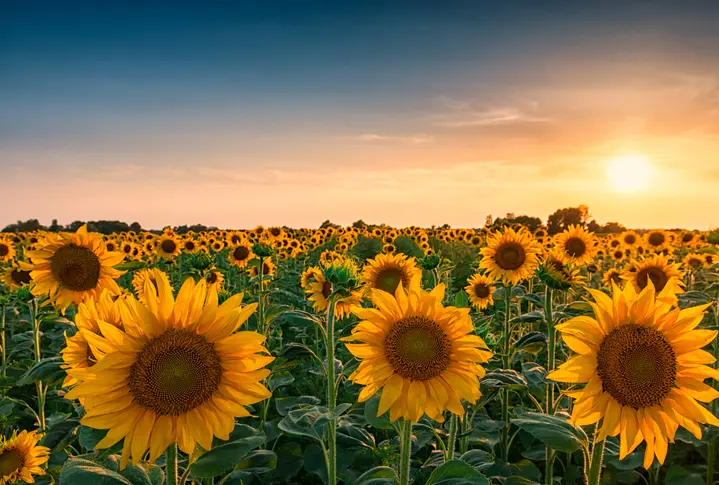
(343, 276)
(263, 250)
(558, 275)
(429, 262)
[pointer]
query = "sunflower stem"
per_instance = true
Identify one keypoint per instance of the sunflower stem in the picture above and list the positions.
(549, 388)
(506, 365)
(452, 437)
(331, 395)
(405, 453)
(171, 464)
(3, 354)
(594, 474)
(38, 357)
(261, 300)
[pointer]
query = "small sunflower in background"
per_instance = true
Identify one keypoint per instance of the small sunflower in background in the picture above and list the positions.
(510, 256)
(268, 268)
(189, 245)
(387, 271)
(612, 277)
(710, 259)
(318, 288)
(665, 276)
(480, 290)
(577, 245)
(181, 376)
(155, 276)
(642, 362)
(630, 238)
(21, 458)
(241, 254)
(167, 246)
(17, 275)
(7, 250)
(694, 261)
(557, 273)
(71, 267)
(214, 279)
(111, 245)
(657, 239)
(421, 355)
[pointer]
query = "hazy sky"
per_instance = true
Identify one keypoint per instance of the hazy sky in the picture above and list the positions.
(264, 112)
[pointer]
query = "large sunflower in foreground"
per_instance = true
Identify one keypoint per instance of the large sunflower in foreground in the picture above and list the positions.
(644, 368)
(387, 271)
(510, 256)
(70, 267)
(480, 290)
(21, 458)
(664, 275)
(576, 244)
(422, 355)
(181, 378)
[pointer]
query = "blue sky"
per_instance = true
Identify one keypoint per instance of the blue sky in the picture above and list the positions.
(490, 105)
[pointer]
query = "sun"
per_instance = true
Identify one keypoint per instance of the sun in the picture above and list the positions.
(629, 173)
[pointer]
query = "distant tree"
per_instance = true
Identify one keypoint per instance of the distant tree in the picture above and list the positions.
(594, 226)
(327, 223)
(359, 224)
(135, 226)
(74, 226)
(613, 228)
(24, 226)
(488, 221)
(54, 227)
(563, 218)
(531, 223)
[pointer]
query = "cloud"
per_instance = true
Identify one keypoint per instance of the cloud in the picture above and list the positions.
(459, 114)
(415, 139)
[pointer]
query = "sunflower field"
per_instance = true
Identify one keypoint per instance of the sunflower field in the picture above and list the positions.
(359, 356)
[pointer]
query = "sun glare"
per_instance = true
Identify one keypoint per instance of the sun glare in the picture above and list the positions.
(629, 173)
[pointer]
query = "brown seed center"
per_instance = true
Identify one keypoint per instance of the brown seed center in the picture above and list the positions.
(637, 366)
(575, 247)
(20, 277)
(481, 290)
(657, 275)
(175, 372)
(76, 267)
(326, 289)
(417, 348)
(510, 256)
(168, 246)
(241, 253)
(389, 279)
(656, 239)
(4, 250)
(11, 461)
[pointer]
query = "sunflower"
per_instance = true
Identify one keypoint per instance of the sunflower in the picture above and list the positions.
(694, 261)
(510, 256)
(268, 269)
(387, 271)
(422, 355)
(154, 276)
(21, 458)
(657, 239)
(167, 246)
(612, 276)
(111, 245)
(70, 267)
(319, 289)
(18, 275)
(479, 289)
(557, 273)
(189, 245)
(79, 353)
(709, 259)
(181, 376)
(643, 366)
(664, 275)
(577, 245)
(241, 254)
(7, 250)
(630, 238)
(688, 238)
(214, 279)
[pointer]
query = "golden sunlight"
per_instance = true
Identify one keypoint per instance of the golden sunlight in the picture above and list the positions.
(629, 173)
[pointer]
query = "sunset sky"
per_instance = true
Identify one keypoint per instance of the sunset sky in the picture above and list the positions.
(402, 112)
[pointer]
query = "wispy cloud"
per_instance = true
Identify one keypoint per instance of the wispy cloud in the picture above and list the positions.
(415, 139)
(458, 114)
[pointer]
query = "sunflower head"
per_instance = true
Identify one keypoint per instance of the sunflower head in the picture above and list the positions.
(167, 246)
(338, 283)
(665, 276)
(421, 354)
(510, 256)
(657, 239)
(71, 267)
(558, 274)
(612, 277)
(694, 262)
(21, 458)
(7, 250)
(480, 289)
(643, 364)
(18, 275)
(577, 245)
(180, 372)
(387, 272)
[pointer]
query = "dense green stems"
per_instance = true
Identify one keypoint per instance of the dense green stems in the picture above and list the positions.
(261, 300)
(405, 451)
(506, 364)
(41, 393)
(549, 387)
(464, 432)
(594, 474)
(331, 395)
(452, 436)
(171, 464)
(3, 354)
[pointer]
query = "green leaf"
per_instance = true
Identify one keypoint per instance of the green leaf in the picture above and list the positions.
(553, 431)
(535, 316)
(479, 459)
(84, 472)
(456, 472)
(279, 379)
(47, 370)
(536, 299)
(289, 461)
(370, 414)
(130, 266)
(258, 462)
(381, 475)
(222, 458)
(60, 434)
(461, 300)
(311, 422)
(89, 437)
(504, 378)
(285, 404)
(532, 342)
